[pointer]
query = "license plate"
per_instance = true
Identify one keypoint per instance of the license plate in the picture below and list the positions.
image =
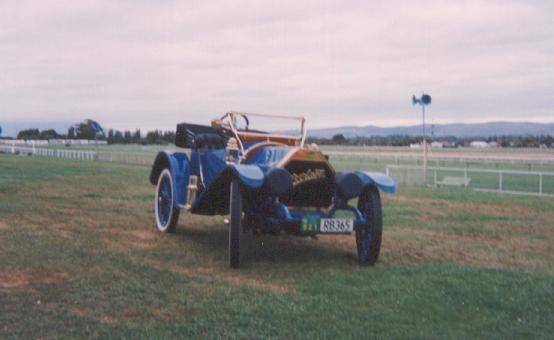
(336, 225)
(310, 224)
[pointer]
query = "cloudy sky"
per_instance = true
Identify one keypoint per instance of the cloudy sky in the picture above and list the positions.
(151, 64)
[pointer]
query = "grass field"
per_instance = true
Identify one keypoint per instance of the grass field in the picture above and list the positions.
(79, 258)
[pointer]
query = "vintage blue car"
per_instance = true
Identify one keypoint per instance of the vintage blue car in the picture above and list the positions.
(266, 183)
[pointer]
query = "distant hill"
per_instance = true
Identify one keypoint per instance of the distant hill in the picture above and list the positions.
(10, 129)
(457, 130)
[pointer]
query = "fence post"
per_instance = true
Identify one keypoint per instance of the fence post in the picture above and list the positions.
(465, 175)
(540, 184)
(500, 181)
(387, 171)
(435, 177)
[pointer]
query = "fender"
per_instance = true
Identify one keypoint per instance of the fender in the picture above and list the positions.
(214, 199)
(382, 181)
(179, 166)
(250, 175)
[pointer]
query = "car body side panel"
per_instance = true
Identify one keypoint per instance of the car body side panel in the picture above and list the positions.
(217, 176)
(382, 181)
(268, 157)
(213, 166)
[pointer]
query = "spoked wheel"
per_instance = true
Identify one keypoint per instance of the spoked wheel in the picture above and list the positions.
(235, 224)
(368, 235)
(166, 213)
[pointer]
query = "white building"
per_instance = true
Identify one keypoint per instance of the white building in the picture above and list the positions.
(479, 144)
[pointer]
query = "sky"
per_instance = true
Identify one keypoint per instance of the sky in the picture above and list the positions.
(152, 64)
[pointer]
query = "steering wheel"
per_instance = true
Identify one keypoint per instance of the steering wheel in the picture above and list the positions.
(235, 120)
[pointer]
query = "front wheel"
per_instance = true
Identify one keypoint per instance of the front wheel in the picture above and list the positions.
(166, 213)
(368, 235)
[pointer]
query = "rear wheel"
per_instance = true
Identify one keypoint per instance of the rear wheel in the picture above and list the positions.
(166, 213)
(235, 224)
(368, 235)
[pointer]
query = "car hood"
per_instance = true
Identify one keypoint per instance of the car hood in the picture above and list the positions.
(280, 156)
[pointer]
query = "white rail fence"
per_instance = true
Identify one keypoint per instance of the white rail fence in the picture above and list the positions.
(516, 182)
(139, 158)
(84, 155)
(399, 157)
(116, 156)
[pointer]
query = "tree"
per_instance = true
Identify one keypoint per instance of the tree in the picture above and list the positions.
(110, 136)
(84, 131)
(49, 134)
(168, 136)
(136, 136)
(153, 137)
(118, 138)
(89, 129)
(127, 137)
(28, 134)
(71, 133)
(339, 139)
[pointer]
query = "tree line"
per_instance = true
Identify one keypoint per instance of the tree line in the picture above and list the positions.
(113, 136)
(87, 129)
(91, 130)
(135, 137)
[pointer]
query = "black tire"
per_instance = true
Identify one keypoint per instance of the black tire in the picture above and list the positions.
(166, 214)
(235, 223)
(368, 235)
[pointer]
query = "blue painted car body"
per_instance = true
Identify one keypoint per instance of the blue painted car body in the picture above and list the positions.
(262, 207)
(382, 181)
(210, 165)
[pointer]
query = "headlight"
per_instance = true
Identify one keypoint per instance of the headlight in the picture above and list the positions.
(349, 185)
(278, 181)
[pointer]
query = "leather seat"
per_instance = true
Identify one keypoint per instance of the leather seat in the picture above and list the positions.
(209, 141)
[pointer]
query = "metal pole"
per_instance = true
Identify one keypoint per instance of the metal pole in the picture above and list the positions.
(424, 149)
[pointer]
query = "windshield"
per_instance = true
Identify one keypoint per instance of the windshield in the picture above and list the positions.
(250, 127)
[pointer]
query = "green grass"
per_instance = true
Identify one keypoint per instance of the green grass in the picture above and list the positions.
(79, 258)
